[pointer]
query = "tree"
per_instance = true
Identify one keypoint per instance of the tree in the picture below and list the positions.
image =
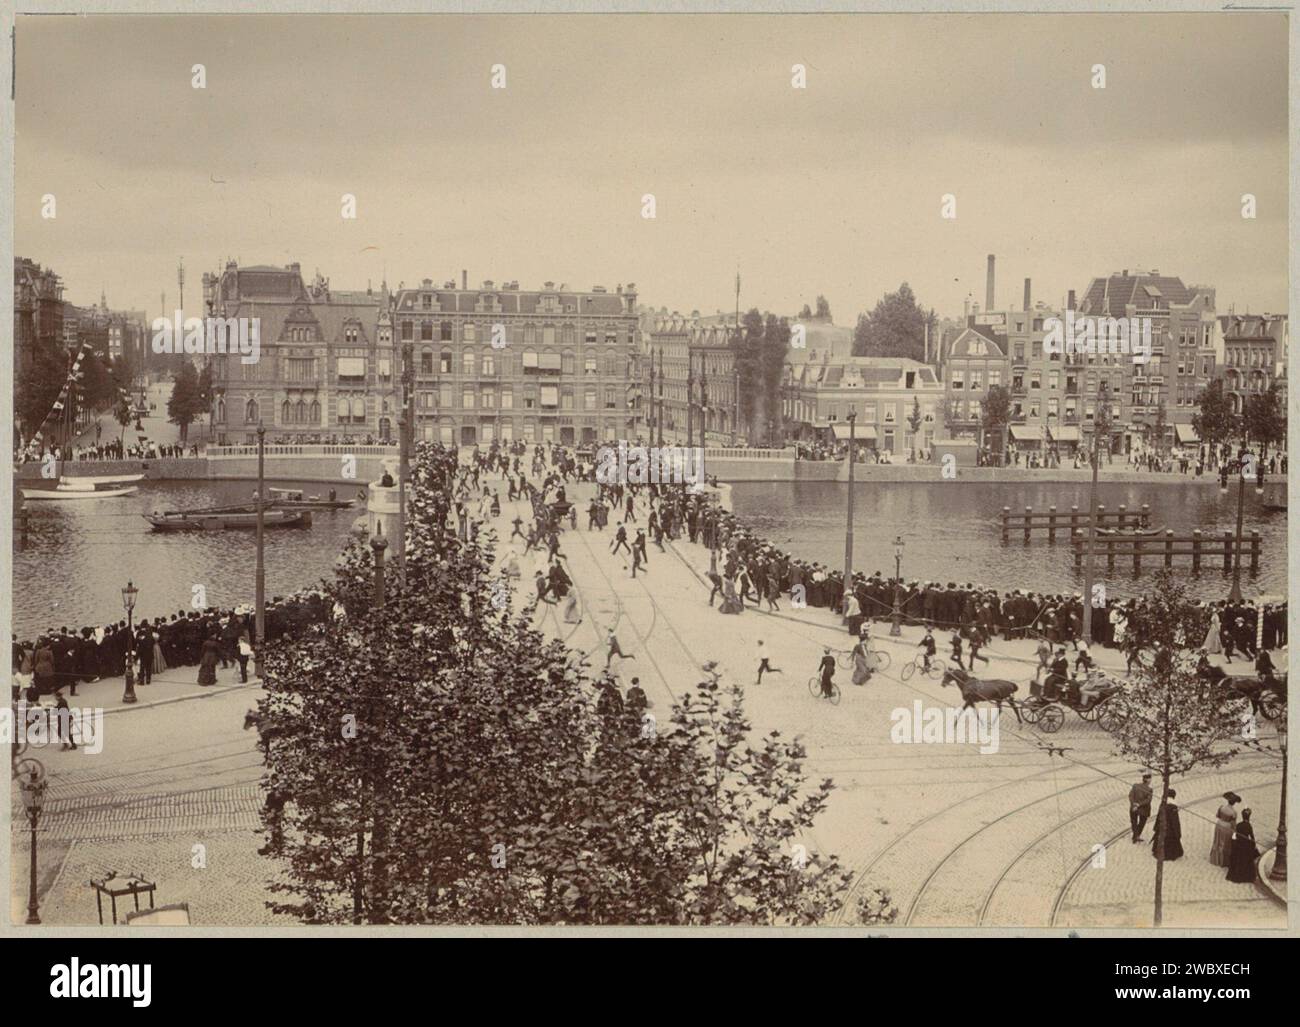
(823, 307)
(997, 415)
(520, 791)
(805, 313)
(896, 328)
(1154, 432)
(914, 420)
(1214, 420)
(759, 352)
(186, 402)
(122, 414)
(1264, 420)
(37, 388)
(1168, 718)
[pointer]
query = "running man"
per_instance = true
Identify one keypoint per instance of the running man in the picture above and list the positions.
(763, 664)
(620, 539)
(615, 649)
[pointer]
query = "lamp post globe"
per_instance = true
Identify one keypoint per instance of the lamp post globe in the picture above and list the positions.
(896, 618)
(128, 603)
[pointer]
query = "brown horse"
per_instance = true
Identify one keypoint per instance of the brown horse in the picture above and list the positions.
(977, 690)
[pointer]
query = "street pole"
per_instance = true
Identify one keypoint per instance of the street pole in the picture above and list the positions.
(690, 398)
(896, 618)
(1278, 873)
(1097, 424)
(404, 450)
(659, 417)
(128, 600)
(379, 544)
(1234, 596)
(259, 624)
(848, 527)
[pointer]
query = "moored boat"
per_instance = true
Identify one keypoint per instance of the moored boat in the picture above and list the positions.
(226, 520)
(61, 493)
(294, 499)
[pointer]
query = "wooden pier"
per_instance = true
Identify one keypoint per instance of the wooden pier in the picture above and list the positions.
(1200, 546)
(1053, 521)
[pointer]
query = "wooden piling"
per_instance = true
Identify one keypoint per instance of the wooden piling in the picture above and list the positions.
(1196, 550)
(1123, 512)
(1227, 551)
(1029, 520)
(1254, 552)
(1169, 547)
(1051, 525)
(1006, 522)
(1137, 556)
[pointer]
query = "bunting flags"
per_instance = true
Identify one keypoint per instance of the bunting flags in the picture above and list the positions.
(74, 375)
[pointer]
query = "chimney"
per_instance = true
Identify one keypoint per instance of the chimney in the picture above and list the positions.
(1026, 294)
(1069, 304)
(965, 311)
(464, 280)
(988, 289)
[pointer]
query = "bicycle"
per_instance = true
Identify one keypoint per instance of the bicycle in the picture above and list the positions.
(815, 688)
(934, 672)
(879, 657)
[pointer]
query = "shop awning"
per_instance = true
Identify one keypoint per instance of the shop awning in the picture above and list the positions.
(1066, 433)
(1186, 433)
(1027, 432)
(863, 432)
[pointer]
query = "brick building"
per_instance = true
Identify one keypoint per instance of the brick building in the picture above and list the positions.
(1254, 348)
(499, 362)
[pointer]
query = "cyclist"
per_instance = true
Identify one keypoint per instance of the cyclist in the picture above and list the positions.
(827, 670)
(928, 648)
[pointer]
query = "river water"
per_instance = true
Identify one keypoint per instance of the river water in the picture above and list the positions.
(80, 554)
(953, 531)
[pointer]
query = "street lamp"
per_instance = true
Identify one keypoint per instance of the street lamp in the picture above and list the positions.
(848, 528)
(259, 616)
(1234, 595)
(1278, 873)
(128, 602)
(895, 628)
(32, 788)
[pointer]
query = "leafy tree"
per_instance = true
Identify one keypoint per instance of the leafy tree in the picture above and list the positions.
(914, 421)
(823, 307)
(436, 760)
(760, 351)
(1264, 419)
(37, 388)
(806, 312)
(895, 328)
(1214, 420)
(997, 415)
(122, 414)
(1154, 431)
(186, 402)
(1168, 718)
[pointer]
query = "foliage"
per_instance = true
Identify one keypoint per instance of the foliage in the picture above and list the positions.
(1214, 420)
(876, 908)
(759, 353)
(438, 761)
(1264, 419)
(186, 403)
(895, 328)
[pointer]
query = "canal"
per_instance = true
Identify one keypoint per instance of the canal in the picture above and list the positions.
(79, 555)
(952, 531)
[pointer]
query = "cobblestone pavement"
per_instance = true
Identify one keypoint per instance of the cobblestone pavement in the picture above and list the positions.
(957, 837)
(173, 797)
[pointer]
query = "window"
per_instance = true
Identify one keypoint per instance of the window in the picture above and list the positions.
(507, 398)
(995, 377)
(385, 367)
(444, 331)
(467, 362)
(1018, 381)
(611, 366)
(566, 362)
(589, 336)
(1054, 380)
(958, 380)
(530, 361)
(530, 397)
(589, 362)
(467, 397)
(426, 361)
(315, 412)
(489, 397)
(1089, 410)
(1035, 379)
(426, 331)
(408, 331)
(352, 367)
(1020, 352)
(467, 332)
(250, 412)
(566, 399)
(611, 397)
(548, 335)
(445, 395)
(550, 397)
(1053, 407)
(976, 381)
(489, 364)
(611, 337)
(285, 412)
(589, 399)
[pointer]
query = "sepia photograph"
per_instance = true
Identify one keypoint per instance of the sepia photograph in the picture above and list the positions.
(359, 360)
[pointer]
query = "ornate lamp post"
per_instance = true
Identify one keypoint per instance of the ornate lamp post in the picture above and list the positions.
(848, 527)
(259, 623)
(32, 788)
(128, 602)
(1278, 873)
(1234, 595)
(895, 627)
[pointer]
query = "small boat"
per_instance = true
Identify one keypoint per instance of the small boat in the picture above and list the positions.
(225, 520)
(91, 480)
(62, 492)
(293, 499)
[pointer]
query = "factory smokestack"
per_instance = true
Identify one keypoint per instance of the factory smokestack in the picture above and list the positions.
(1026, 293)
(988, 290)
(464, 280)
(1070, 303)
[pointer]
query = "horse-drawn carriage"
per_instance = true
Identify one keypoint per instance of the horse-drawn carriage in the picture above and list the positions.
(1045, 708)
(1267, 695)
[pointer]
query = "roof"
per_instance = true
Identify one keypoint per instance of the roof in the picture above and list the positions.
(1253, 326)
(1113, 295)
(976, 342)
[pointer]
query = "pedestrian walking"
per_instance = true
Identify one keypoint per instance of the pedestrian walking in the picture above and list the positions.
(1225, 825)
(1139, 806)
(1171, 835)
(1241, 862)
(620, 539)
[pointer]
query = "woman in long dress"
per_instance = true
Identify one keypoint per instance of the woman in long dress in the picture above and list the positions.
(1173, 830)
(861, 663)
(1224, 823)
(208, 661)
(1212, 643)
(571, 612)
(1241, 864)
(159, 661)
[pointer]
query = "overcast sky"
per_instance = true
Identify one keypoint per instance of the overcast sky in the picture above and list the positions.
(835, 188)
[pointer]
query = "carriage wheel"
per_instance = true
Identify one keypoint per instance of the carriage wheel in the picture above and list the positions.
(908, 670)
(1109, 717)
(1030, 711)
(1270, 704)
(882, 659)
(1051, 718)
(1090, 713)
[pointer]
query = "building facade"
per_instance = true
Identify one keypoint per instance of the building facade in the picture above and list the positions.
(38, 312)
(690, 366)
(898, 402)
(501, 363)
(326, 365)
(1254, 348)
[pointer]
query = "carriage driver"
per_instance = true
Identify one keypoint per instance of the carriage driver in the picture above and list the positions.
(1058, 677)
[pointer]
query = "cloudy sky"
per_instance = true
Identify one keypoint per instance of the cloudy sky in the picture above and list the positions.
(835, 188)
